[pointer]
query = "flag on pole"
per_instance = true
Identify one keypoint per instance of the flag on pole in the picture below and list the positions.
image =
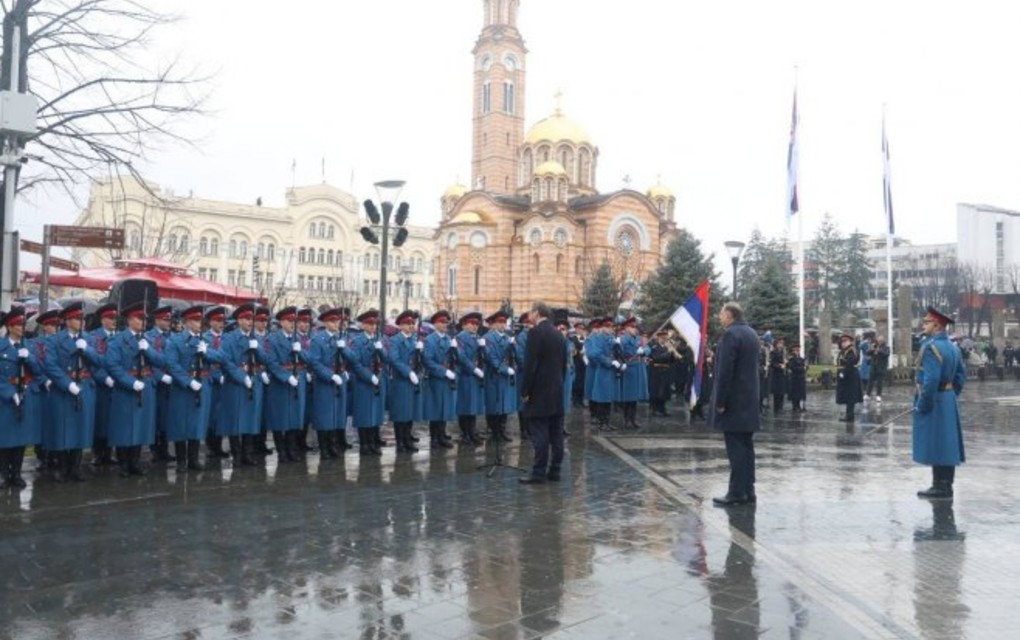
(691, 321)
(887, 181)
(792, 205)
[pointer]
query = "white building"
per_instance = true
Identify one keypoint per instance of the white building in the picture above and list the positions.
(309, 252)
(989, 241)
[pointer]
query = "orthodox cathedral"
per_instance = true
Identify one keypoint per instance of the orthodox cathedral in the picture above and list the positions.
(533, 226)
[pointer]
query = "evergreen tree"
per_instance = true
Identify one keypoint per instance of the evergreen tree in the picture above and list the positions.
(752, 261)
(771, 302)
(825, 263)
(602, 297)
(685, 267)
(854, 278)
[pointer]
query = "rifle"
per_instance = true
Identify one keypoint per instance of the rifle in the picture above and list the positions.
(480, 362)
(338, 366)
(295, 359)
(451, 364)
(199, 365)
(416, 365)
(377, 364)
(618, 356)
(252, 360)
(76, 376)
(511, 361)
(21, 388)
(142, 361)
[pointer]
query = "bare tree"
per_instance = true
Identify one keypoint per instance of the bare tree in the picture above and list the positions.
(104, 102)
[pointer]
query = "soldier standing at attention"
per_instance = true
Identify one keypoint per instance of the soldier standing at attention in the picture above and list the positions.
(777, 375)
(242, 392)
(285, 397)
(189, 405)
(21, 400)
(214, 338)
(848, 382)
(634, 382)
(404, 393)
(98, 340)
(937, 434)
(329, 403)
(158, 338)
(304, 332)
(662, 355)
(501, 395)
(440, 386)
(797, 368)
(367, 358)
(471, 385)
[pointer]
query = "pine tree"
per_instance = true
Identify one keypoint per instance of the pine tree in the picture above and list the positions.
(752, 261)
(602, 297)
(771, 302)
(854, 277)
(827, 254)
(683, 269)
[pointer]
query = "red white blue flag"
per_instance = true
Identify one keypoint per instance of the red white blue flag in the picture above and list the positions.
(691, 321)
(887, 181)
(792, 204)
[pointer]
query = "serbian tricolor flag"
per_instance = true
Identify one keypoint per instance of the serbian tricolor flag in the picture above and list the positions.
(691, 321)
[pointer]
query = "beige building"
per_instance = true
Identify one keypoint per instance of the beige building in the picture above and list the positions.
(533, 225)
(309, 252)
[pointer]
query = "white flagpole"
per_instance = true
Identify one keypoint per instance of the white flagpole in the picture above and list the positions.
(800, 279)
(887, 198)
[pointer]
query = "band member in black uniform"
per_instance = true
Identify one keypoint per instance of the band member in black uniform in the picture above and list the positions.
(577, 342)
(707, 385)
(796, 367)
(777, 375)
(662, 358)
(764, 350)
(848, 380)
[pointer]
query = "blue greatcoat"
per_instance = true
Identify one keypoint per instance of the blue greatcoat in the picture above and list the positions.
(591, 346)
(470, 390)
(240, 407)
(606, 385)
(306, 344)
(634, 382)
(329, 402)
(365, 360)
(98, 341)
(501, 392)
(568, 378)
(132, 414)
(938, 437)
(285, 405)
(865, 367)
(215, 342)
(440, 402)
(404, 398)
(187, 414)
(158, 342)
(19, 426)
(73, 422)
(37, 346)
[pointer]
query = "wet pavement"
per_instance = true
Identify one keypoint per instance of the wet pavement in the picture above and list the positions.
(626, 546)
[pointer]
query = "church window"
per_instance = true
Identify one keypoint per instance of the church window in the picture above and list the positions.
(311, 230)
(563, 190)
(559, 262)
(332, 229)
(478, 240)
(478, 281)
(322, 229)
(203, 246)
(560, 237)
(451, 241)
(549, 189)
(536, 263)
(543, 154)
(535, 237)
(509, 98)
(486, 98)
(625, 241)
(510, 62)
(233, 248)
(171, 243)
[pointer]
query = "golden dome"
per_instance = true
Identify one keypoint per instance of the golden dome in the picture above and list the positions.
(467, 217)
(550, 168)
(659, 190)
(455, 191)
(557, 128)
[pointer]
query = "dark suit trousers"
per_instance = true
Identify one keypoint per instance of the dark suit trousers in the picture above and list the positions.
(740, 451)
(546, 434)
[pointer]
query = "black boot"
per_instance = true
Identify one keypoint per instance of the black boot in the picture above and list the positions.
(124, 461)
(214, 446)
(74, 466)
(248, 458)
(17, 460)
(409, 438)
(433, 437)
(136, 462)
(101, 453)
(398, 435)
(59, 466)
(181, 452)
(942, 483)
(236, 451)
(379, 442)
(259, 444)
(297, 444)
(465, 431)
(282, 453)
(341, 441)
(5, 469)
(522, 420)
(193, 463)
(502, 430)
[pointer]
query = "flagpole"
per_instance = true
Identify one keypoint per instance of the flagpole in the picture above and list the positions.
(800, 279)
(890, 230)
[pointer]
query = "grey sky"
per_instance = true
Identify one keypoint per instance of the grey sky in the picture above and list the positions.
(699, 92)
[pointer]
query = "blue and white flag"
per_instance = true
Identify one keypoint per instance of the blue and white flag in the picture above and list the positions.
(691, 321)
(792, 205)
(887, 181)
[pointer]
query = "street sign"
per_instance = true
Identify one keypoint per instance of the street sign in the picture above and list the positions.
(31, 247)
(66, 265)
(92, 237)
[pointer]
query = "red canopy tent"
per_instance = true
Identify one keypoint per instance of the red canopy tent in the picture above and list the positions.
(173, 281)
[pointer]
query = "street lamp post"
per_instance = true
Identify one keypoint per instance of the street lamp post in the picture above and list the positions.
(388, 192)
(735, 248)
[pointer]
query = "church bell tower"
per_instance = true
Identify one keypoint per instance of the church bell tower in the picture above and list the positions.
(498, 112)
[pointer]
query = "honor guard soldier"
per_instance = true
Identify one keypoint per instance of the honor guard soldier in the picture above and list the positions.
(261, 324)
(634, 382)
(242, 392)
(99, 340)
(797, 368)
(661, 353)
(47, 324)
(520, 345)
(404, 392)
(285, 398)
(188, 359)
(329, 403)
(777, 374)
(159, 337)
(471, 374)
(937, 434)
(605, 390)
(440, 385)
(215, 318)
(21, 399)
(501, 395)
(577, 340)
(304, 332)
(848, 382)
(73, 395)
(594, 337)
(563, 324)
(367, 358)
(130, 361)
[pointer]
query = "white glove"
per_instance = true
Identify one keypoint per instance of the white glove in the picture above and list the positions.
(73, 389)
(292, 381)
(49, 383)
(296, 347)
(265, 378)
(138, 385)
(585, 358)
(109, 382)
(509, 371)
(247, 382)
(641, 351)
(617, 340)
(478, 373)
(413, 377)
(16, 399)
(195, 385)
(253, 344)
(202, 347)
(337, 380)
(308, 377)
(450, 375)
(420, 346)
(23, 352)
(223, 380)
(513, 339)
(616, 364)
(143, 345)
(623, 367)
(453, 342)
(166, 379)
(341, 343)
(378, 345)
(375, 380)
(80, 344)
(481, 342)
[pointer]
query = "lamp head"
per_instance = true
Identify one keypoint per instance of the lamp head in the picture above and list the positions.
(389, 190)
(369, 235)
(735, 248)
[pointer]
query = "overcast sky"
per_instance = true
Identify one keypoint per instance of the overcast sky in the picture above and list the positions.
(699, 92)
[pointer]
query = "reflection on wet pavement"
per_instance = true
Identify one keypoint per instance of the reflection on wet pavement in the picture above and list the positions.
(627, 546)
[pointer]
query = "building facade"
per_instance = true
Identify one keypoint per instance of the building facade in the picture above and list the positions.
(307, 252)
(989, 244)
(533, 225)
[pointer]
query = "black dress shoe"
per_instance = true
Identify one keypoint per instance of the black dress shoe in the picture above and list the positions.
(553, 477)
(531, 480)
(846, 418)
(729, 500)
(936, 492)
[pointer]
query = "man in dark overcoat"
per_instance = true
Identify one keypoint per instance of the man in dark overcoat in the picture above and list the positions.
(542, 393)
(848, 380)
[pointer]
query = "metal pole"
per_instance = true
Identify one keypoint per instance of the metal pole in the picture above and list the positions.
(44, 281)
(387, 209)
(735, 260)
(8, 251)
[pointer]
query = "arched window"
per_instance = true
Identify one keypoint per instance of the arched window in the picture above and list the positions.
(322, 256)
(322, 229)
(171, 243)
(486, 98)
(244, 248)
(203, 246)
(331, 232)
(311, 230)
(329, 256)
(233, 248)
(185, 244)
(214, 247)
(451, 280)
(536, 194)
(509, 98)
(271, 252)
(478, 281)
(396, 263)
(339, 258)
(417, 264)
(260, 249)
(301, 256)
(536, 263)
